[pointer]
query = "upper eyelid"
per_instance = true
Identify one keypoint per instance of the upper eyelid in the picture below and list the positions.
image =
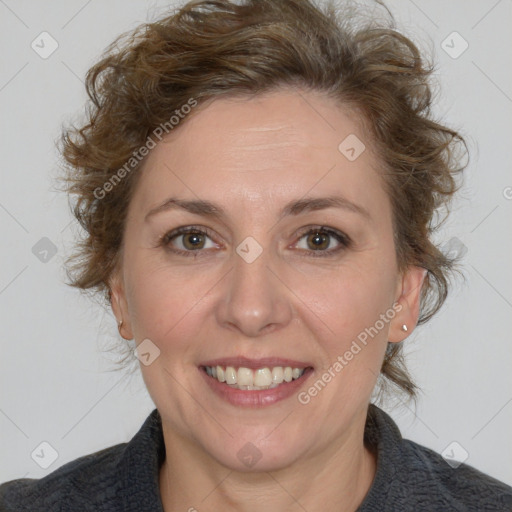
(184, 230)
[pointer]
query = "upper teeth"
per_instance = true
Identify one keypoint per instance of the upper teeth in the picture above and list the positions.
(262, 378)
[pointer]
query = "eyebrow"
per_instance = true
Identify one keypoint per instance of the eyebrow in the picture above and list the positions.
(296, 207)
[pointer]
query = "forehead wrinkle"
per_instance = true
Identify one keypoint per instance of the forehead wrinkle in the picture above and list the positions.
(266, 130)
(267, 149)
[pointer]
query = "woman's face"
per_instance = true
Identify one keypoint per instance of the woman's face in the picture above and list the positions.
(270, 276)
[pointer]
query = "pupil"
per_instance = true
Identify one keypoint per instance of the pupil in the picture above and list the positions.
(318, 240)
(194, 239)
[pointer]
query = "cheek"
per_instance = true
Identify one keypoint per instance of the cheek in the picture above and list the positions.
(160, 298)
(360, 336)
(354, 296)
(357, 306)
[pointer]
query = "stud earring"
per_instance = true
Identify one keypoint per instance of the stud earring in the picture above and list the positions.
(119, 325)
(404, 328)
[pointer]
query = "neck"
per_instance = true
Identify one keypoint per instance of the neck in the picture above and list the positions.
(342, 473)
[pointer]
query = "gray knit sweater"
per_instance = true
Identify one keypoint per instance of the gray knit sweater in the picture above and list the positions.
(124, 478)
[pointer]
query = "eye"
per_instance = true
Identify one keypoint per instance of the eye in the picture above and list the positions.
(187, 239)
(321, 240)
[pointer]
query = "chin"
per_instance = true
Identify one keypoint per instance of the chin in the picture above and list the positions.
(243, 455)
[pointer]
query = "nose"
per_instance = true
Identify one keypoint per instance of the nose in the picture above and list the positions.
(255, 301)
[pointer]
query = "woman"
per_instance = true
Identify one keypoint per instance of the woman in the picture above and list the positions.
(257, 182)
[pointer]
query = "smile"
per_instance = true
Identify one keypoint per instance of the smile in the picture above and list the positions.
(253, 379)
(248, 382)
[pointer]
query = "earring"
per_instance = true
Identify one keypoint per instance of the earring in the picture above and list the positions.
(119, 325)
(404, 328)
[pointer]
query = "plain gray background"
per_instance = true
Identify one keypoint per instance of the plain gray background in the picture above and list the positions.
(56, 384)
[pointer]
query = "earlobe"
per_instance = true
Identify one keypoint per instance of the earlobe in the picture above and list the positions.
(408, 298)
(120, 308)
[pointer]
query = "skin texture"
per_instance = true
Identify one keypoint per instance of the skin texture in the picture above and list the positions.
(252, 156)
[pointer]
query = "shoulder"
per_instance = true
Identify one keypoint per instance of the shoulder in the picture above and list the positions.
(123, 478)
(458, 487)
(78, 485)
(413, 477)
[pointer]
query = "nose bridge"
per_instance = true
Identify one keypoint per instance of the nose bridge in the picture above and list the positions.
(255, 299)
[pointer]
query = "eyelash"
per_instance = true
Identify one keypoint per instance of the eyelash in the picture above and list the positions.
(344, 240)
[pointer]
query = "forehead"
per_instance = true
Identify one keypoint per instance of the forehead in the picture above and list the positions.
(251, 148)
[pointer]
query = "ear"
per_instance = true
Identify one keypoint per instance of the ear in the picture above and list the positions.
(408, 303)
(119, 305)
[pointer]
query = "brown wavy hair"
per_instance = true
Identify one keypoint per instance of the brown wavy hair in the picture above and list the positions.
(212, 48)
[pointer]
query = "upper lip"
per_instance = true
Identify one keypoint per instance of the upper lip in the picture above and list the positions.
(264, 362)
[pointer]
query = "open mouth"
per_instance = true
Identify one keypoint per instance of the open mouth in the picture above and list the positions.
(258, 379)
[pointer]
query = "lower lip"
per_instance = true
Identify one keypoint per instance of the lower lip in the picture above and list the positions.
(255, 398)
